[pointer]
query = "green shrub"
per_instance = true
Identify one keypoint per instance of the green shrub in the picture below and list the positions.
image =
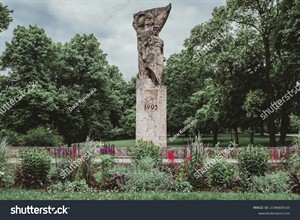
(293, 165)
(146, 149)
(145, 176)
(42, 137)
(104, 177)
(6, 179)
(111, 179)
(13, 138)
(278, 182)
(107, 161)
(220, 173)
(253, 160)
(75, 186)
(181, 185)
(88, 166)
(64, 169)
(198, 157)
(3, 152)
(293, 162)
(35, 168)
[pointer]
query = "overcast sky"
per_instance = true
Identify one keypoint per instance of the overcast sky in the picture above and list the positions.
(110, 22)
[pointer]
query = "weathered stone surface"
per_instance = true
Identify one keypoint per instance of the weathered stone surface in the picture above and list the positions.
(151, 112)
(148, 25)
(151, 95)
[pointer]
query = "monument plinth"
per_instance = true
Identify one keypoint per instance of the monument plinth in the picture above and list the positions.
(151, 94)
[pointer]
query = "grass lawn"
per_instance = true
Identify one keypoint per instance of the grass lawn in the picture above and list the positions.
(224, 140)
(21, 194)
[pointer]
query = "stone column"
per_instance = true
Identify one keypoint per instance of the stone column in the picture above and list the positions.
(151, 112)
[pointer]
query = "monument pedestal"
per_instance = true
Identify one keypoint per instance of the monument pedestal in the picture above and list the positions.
(151, 112)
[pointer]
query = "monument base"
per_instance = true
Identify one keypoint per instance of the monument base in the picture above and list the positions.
(151, 112)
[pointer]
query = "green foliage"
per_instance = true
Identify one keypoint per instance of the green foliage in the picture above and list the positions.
(35, 168)
(146, 149)
(293, 162)
(107, 161)
(128, 122)
(5, 15)
(198, 156)
(221, 173)
(64, 74)
(21, 194)
(181, 185)
(278, 182)
(42, 137)
(87, 166)
(295, 122)
(56, 173)
(13, 138)
(6, 179)
(75, 186)
(3, 152)
(253, 160)
(145, 176)
(106, 165)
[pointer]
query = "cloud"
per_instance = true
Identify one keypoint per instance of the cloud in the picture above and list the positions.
(110, 22)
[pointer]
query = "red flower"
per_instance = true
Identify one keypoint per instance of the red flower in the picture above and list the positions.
(171, 156)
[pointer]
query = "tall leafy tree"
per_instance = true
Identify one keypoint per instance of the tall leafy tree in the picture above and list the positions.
(5, 17)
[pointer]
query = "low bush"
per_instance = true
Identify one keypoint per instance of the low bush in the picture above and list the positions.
(6, 179)
(144, 175)
(146, 149)
(253, 160)
(196, 156)
(278, 182)
(293, 166)
(75, 186)
(105, 177)
(35, 168)
(220, 174)
(13, 138)
(181, 185)
(88, 167)
(114, 179)
(42, 137)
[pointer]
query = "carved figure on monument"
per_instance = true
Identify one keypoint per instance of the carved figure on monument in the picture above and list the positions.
(148, 25)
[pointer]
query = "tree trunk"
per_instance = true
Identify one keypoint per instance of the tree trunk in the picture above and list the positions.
(215, 135)
(272, 130)
(251, 133)
(236, 136)
(269, 90)
(284, 124)
(261, 127)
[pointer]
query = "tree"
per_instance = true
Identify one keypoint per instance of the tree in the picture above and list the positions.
(183, 77)
(5, 17)
(77, 92)
(259, 15)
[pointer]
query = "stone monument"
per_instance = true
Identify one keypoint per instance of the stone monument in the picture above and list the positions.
(151, 94)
